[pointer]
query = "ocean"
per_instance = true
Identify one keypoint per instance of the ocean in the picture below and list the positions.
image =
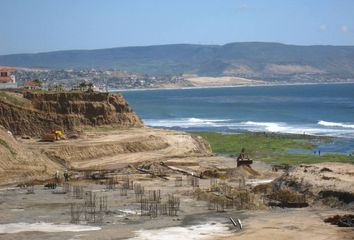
(326, 109)
(321, 109)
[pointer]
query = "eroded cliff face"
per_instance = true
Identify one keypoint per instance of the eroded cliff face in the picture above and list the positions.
(69, 111)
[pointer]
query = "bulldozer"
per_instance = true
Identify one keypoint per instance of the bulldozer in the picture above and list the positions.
(243, 159)
(53, 135)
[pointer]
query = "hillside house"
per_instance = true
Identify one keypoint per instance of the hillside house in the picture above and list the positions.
(35, 84)
(7, 77)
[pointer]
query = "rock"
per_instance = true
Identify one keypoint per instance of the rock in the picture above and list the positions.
(326, 170)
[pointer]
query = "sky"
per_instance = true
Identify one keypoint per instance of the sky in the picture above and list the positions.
(30, 26)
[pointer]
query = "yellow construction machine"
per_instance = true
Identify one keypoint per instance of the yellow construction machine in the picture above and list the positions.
(53, 135)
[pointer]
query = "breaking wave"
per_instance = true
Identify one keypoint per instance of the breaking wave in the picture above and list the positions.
(321, 128)
(335, 124)
(186, 122)
(268, 126)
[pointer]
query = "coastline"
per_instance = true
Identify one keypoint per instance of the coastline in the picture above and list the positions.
(286, 148)
(230, 86)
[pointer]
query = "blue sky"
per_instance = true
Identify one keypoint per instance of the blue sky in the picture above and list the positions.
(29, 26)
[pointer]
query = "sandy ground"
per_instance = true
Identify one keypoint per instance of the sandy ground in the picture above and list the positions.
(107, 150)
(19, 163)
(221, 81)
(278, 224)
(123, 220)
(44, 215)
(329, 176)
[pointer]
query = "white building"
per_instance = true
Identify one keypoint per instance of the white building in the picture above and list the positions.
(7, 77)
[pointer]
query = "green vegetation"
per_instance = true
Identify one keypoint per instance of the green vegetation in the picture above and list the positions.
(14, 99)
(38, 82)
(6, 145)
(272, 148)
(296, 158)
(83, 86)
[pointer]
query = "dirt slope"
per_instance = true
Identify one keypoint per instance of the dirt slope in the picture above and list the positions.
(116, 148)
(18, 163)
(36, 113)
(327, 183)
(321, 176)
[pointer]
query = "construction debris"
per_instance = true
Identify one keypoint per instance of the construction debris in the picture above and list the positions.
(92, 210)
(223, 196)
(193, 181)
(341, 221)
(153, 205)
(179, 170)
(288, 198)
(178, 181)
(236, 223)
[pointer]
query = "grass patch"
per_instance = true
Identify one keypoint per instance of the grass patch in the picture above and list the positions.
(13, 99)
(272, 148)
(297, 158)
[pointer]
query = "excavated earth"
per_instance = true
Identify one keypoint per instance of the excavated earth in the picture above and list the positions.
(324, 183)
(23, 160)
(33, 114)
(118, 148)
(18, 163)
(103, 133)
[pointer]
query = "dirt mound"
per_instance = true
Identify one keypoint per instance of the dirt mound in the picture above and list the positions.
(341, 221)
(18, 163)
(242, 171)
(345, 197)
(288, 198)
(329, 183)
(248, 171)
(36, 113)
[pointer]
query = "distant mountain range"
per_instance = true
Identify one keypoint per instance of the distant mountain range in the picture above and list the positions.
(250, 60)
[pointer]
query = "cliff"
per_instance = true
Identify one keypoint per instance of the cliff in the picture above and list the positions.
(128, 142)
(35, 113)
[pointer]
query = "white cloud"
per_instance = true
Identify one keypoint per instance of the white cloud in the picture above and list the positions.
(344, 29)
(323, 27)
